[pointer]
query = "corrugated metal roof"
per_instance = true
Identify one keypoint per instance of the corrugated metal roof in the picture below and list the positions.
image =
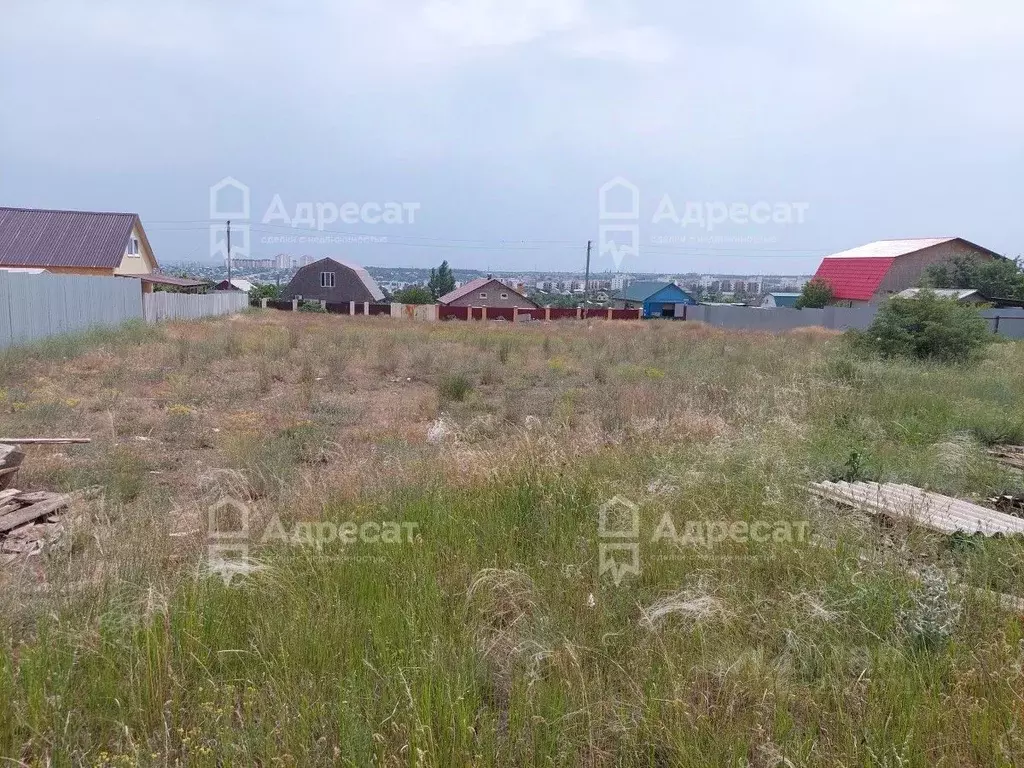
(853, 279)
(943, 293)
(890, 248)
(462, 290)
(643, 290)
(178, 282)
(47, 238)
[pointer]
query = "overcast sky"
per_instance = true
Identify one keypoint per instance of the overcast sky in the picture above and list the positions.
(501, 120)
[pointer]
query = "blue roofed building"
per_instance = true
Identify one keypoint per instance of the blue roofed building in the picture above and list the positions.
(780, 300)
(656, 299)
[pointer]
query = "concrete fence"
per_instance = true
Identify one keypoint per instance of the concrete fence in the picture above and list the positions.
(161, 306)
(34, 307)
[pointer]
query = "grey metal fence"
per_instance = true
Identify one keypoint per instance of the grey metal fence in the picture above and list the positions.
(191, 306)
(779, 319)
(34, 307)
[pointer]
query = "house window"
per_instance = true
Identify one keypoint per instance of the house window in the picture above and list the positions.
(326, 279)
(133, 246)
(504, 295)
(483, 294)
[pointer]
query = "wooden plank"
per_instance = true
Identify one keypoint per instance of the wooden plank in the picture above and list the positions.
(44, 440)
(29, 513)
(932, 510)
(31, 497)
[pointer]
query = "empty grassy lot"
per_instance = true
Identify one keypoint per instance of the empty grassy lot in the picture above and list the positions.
(488, 637)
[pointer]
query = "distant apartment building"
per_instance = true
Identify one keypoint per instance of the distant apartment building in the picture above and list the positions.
(237, 263)
(619, 282)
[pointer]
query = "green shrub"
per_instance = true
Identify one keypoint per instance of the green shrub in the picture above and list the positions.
(816, 294)
(311, 306)
(927, 327)
(454, 388)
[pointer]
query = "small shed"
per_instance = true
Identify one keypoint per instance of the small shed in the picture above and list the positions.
(774, 300)
(657, 299)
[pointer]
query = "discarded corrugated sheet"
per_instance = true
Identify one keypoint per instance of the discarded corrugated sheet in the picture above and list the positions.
(931, 510)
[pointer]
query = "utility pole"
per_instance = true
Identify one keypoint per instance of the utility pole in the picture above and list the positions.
(586, 282)
(230, 286)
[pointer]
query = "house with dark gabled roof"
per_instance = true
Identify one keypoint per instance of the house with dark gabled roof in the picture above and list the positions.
(334, 281)
(75, 242)
(486, 292)
(871, 273)
(657, 299)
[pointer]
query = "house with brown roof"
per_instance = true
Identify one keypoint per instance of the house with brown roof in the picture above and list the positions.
(871, 273)
(486, 292)
(334, 281)
(75, 242)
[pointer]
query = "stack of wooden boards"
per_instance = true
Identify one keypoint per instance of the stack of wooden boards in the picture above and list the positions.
(28, 520)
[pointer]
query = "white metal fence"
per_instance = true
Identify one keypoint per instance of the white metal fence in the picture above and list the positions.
(34, 307)
(191, 306)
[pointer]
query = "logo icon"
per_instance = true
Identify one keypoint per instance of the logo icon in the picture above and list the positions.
(618, 519)
(227, 539)
(229, 203)
(618, 200)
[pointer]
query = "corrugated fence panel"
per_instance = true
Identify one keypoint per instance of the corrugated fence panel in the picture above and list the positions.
(34, 307)
(1007, 322)
(162, 306)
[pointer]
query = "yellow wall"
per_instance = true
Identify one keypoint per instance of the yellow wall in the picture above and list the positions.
(92, 271)
(143, 264)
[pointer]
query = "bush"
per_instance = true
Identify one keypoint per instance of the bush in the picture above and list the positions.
(311, 306)
(927, 327)
(454, 388)
(414, 294)
(816, 294)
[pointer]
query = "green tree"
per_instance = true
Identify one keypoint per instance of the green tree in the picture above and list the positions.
(269, 291)
(927, 327)
(816, 294)
(414, 294)
(995, 278)
(442, 280)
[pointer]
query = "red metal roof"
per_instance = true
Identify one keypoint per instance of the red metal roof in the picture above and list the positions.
(463, 289)
(45, 238)
(474, 285)
(854, 278)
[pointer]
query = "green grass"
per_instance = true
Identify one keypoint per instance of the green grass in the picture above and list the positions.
(493, 640)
